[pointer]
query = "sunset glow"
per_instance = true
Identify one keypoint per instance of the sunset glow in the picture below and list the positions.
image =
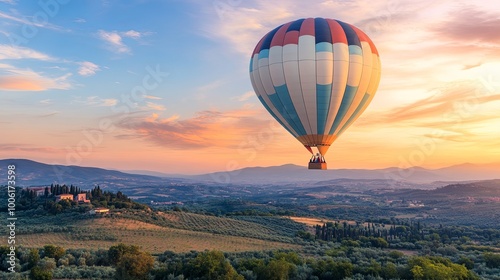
(164, 85)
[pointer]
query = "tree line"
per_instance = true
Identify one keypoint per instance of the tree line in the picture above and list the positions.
(28, 199)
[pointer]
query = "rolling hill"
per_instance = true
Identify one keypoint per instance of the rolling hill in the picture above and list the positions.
(32, 173)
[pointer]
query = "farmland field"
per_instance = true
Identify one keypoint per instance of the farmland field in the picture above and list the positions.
(150, 237)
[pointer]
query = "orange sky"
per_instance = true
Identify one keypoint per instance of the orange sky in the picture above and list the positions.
(437, 103)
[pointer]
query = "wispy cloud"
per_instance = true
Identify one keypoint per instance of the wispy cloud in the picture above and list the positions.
(108, 102)
(462, 98)
(453, 112)
(244, 97)
(97, 101)
(16, 52)
(206, 129)
(15, 79)
(480, 26)
(155, 106)
(131, 34)
(114, 39)
(12, 2)
(28, 148)
(47, 115)
(26, 21)
(152, 97)
(88, 68)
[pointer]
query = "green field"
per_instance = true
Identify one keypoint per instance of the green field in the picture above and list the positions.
(188, 232)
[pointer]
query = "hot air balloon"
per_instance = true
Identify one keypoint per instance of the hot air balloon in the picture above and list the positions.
(315, 76)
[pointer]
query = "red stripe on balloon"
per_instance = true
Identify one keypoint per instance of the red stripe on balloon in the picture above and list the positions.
(338, 34)
(279, 37)
(291, 37)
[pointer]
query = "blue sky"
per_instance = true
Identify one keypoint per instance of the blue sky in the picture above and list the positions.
(69, 68)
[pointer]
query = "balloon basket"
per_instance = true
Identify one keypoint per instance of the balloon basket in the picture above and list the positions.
(317, 165)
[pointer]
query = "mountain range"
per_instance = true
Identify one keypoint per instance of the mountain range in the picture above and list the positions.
(32, 173)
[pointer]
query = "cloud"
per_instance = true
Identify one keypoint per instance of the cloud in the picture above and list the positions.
(48, 115)
(15, 79)
(245, 96)
(453, 113)
(16, 52)
(152, 97)
(80, 20)
(26, 21)
(155, 106)
(28, 148)
(88, 68)
(470, 26)
(242, 23)
(18, 79)
(206, 129)
(132, 34)
(98, 102)
(12, 2)
(470, 66)
(46, 101)
(462, 98)
(109, 102)
(114, 39)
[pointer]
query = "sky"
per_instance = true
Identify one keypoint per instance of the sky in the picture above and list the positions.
(164, 85)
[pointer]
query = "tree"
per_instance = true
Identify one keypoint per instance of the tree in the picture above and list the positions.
(342, 269)
(81, 261)
(278, 270)
(390, 271)
(417, 272)
(51, 251)
(37, 273)
(438, 268)
(33, 258)
(134, 266)
(116, 252)
(492, 260)
(212, 265)
(467, 262)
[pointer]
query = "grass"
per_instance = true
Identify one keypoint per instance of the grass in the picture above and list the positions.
(150, 237)
(259, 228)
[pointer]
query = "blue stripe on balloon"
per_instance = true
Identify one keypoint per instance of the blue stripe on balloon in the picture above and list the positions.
(324, 47)
(349, 94)
(274, 115)
(352, 37)
(287, 109)
(322, 31)
(295, 26)
(282, 111)
(264, 53)
(353, 49)
(356, 113)
(251, 65)
(323, 95)
(266, 44)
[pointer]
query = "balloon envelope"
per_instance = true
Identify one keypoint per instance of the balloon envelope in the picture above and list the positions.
(315, 76)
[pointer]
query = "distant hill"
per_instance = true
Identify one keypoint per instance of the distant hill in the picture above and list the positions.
(31, 173)
(295, 173)
(482, 189)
